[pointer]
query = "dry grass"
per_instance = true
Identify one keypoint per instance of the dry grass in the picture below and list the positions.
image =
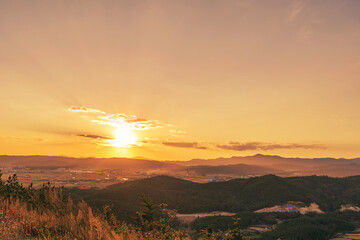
(65, 220)
(18, 221)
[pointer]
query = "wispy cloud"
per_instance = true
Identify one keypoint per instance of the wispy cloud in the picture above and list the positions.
(238, 146)
(84, 109)
(297, 7)
(195, 145)
(177, 132)
(94, 136)
(98, 139)
(129, 121)
(117, 119)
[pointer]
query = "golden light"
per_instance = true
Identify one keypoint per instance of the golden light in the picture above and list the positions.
(123, 137)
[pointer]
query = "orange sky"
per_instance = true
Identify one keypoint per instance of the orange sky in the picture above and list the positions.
(180, 79)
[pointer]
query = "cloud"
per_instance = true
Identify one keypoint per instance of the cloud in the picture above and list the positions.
(184, 145)
(98, 139)
(117, 119)
(237, 146)
(84, 109)
(297, 7)
(129, 121)
(136, 120)
(176, 132)
(94, 136)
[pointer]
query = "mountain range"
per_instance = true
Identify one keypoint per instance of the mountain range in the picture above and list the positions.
(234, 166)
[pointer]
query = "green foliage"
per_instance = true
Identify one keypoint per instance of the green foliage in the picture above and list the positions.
(47, 196)
(157, 220)
(13, 189)
(223, 223)
(207, 234)
(235, 233)
(314, 226)
(236, 195)
(145, 218)
(291, 226)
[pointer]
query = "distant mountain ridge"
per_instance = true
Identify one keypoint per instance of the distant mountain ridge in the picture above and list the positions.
(248, 165)
(264, 159)
(40, 161)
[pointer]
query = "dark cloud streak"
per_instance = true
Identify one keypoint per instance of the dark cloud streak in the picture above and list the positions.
(237, 146)
(94, 136)
(184, 145)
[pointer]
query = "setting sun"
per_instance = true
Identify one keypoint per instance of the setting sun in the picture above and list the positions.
(123, 137)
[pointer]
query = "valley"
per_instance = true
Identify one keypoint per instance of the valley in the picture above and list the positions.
(103, 172)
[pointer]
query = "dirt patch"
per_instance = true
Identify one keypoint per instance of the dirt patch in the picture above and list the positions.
(188, 218)
(349, 207)
(292, 207)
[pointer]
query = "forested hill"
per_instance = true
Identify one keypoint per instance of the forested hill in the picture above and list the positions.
(233, 196)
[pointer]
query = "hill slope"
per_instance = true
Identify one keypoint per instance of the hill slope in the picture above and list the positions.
(233, 196)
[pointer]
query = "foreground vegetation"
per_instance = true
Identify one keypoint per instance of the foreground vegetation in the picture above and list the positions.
(47, 213)
(284, 225)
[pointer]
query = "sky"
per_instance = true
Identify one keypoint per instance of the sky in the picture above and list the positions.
(177, 80)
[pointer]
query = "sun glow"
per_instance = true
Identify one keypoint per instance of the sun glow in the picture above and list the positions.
(124, 137)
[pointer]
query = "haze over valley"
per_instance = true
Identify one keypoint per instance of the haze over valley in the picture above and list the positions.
(101, 172)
